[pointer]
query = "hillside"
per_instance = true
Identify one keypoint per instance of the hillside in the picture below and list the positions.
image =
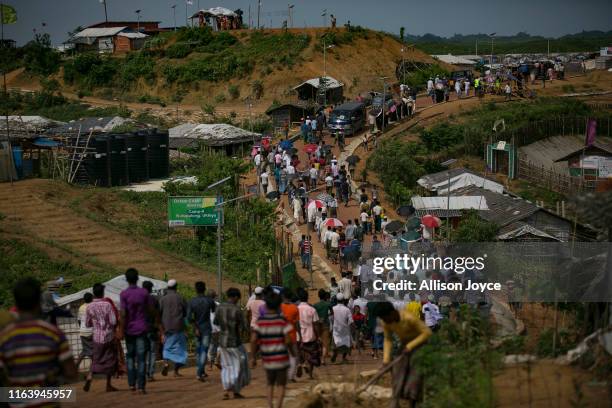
(197, 67)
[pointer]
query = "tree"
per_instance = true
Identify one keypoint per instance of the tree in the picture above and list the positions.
(474, 229)
(39, 58)
(402, 33)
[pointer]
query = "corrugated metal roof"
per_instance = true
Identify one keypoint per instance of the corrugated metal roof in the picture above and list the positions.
(459, 178)
(519, 229)
(330, 83)
(102, 124)
(440, 213)
(504, 209)
(99, 32)
(218, 134)
(454, 60)
(543, 153)
(133, 35)
(456, 203)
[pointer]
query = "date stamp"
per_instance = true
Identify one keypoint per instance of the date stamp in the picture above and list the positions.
(18, 395)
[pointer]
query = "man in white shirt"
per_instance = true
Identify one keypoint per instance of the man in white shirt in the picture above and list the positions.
(341, 320)
(345, 286)
(333, 206)
(257, 159)
(264, 182)
(334, 239)
(290, 172)
(314, 176)
(326, 233)
(467, 87)
(431, 314)
(329, 184)
(85, 333)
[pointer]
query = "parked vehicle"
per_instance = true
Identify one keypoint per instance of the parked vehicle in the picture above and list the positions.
(348, 118)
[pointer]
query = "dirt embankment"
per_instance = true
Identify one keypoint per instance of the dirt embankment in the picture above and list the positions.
(38, 210)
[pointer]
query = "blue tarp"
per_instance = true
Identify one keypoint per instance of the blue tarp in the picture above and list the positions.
(45, 142)
(286, 144)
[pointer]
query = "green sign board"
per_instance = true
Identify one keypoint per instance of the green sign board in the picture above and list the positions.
(192, 211)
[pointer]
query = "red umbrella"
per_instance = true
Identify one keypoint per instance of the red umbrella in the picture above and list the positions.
(310, 148)
(316, 204)
(332, 222)
(430, 221)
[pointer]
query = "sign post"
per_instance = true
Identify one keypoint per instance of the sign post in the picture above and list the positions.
(192, 211)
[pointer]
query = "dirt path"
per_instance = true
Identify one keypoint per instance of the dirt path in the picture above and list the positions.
(186, 392)
(29, 210)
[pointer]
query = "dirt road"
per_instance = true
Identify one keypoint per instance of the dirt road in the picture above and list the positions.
(186, 392)
(29, 210)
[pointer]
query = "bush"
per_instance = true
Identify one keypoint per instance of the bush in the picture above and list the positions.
(441, 136)
(178, 50)
(396, 166)
(233, 91)
(474, 229)
(39, 58)
(220, 98)
(257, 89)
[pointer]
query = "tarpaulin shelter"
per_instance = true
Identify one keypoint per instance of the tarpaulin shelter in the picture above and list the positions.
(219, 18)
(324, 89)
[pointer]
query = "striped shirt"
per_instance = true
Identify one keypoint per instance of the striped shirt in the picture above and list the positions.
(272, 330)
(31, 353)
(306, 247)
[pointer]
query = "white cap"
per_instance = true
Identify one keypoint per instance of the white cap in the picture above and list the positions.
(258, 290)
(339, 296)
(172, 283)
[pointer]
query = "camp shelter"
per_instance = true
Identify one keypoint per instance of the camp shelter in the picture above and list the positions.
(324, 90)
(288, 113)
(217, 137)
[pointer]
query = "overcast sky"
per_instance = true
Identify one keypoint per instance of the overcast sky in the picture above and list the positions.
(440, 17)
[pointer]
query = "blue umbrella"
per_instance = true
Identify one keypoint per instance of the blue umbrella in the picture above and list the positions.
(286, 144)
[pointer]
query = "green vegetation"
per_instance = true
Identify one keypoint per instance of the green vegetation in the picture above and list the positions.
(248, 233)
(53, 106)
(19, 259)
(220, 56)
(458, 364)
(91, 70)
(419, 77)
(344, 37)
(519, 43)
(398, 168)
(470, 130)
(474, 229)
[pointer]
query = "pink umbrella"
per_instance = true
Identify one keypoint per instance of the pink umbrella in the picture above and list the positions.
(316, 204)
(333, 222)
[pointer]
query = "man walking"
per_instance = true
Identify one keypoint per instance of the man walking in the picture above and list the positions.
(136, 306)
(101, 317)
(32, 351)
(199, 311)
(234, 361)
(323, 308)
(341, 328)
(153, 335)
(271, 336)
(310, 348)
(85, 333)
(173, 310)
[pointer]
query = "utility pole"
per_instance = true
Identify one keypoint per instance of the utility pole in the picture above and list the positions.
(138, 20)
(258, 12)
(382, 106)
(105, 11)
(476, 47)
(492, 35)
(291, 6)
(447, 164)
(174, 12)
(324, 15)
